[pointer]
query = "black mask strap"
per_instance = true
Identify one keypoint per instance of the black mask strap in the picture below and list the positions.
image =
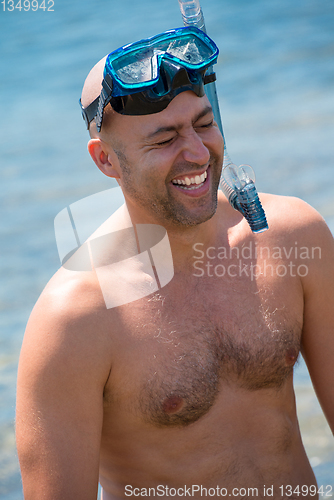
(150, 101)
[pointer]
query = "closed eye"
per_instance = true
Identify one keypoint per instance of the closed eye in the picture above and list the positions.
(205, 125)
(166, 142)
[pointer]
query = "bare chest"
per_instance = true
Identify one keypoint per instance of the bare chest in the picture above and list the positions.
(182, 346)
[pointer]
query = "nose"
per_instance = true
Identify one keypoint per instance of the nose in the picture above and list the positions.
(194, 150)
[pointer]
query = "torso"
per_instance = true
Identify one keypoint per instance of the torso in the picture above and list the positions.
(184, 347)
(200, 390)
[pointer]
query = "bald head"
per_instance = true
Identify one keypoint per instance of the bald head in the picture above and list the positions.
(93, 83)
(91, 90)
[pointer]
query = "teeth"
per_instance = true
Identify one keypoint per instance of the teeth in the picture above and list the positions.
(188, 181)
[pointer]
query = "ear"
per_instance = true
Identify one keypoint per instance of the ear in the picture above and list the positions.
(105, 158)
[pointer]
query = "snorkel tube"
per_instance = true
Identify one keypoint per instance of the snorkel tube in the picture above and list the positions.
(237, 184)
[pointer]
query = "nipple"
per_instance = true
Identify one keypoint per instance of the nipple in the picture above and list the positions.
(172, 404)
(291, 356)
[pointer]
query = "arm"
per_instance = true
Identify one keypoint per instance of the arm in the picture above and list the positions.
(62, 372)
(318, 330)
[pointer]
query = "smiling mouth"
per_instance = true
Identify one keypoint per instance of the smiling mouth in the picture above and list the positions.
(190, 183)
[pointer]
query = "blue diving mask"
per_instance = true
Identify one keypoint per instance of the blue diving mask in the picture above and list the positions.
(143, 77)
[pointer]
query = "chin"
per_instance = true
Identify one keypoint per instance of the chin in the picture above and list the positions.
(187, 218)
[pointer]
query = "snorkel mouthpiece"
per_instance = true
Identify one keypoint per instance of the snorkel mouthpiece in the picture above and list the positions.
(243, 195)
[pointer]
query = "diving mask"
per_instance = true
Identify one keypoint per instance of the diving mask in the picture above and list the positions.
(143, 77)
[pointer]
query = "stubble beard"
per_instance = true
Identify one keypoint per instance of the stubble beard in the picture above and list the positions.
(167, 209)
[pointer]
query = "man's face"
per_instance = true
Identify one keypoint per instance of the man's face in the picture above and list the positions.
(170, 162)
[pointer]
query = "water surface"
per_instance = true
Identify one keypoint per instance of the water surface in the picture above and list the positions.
(275, 85)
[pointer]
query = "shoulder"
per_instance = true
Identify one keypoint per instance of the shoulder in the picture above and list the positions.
(69, 296)
(294, 224)
(290, 217)
(289, 211)
(283, 213)
(68, 326)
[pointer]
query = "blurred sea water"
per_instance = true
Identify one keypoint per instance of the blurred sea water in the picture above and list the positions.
(275, 85)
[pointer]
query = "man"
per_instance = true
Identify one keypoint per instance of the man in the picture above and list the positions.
(187, 391)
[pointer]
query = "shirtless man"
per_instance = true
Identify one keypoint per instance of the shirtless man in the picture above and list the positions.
(187, 391)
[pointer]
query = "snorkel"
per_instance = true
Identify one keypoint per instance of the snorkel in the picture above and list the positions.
(237, 184)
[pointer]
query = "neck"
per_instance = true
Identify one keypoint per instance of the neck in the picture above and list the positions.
(182, 238)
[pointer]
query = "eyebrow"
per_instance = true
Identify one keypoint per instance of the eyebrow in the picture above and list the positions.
(171, 128)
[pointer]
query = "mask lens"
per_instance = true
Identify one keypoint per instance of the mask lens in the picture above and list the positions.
(136, 68)
(191, 51)
(138, 64)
